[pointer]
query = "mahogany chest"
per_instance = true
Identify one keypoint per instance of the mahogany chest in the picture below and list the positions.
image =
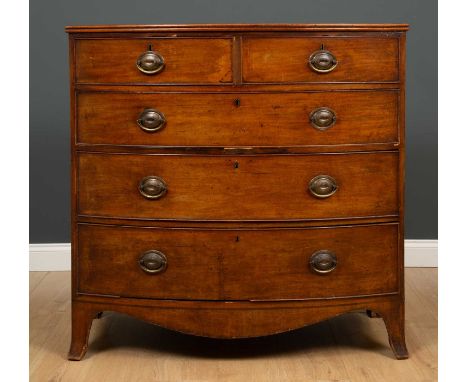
(237, 180)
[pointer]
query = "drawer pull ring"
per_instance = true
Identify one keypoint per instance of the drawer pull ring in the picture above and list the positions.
(151, 120)
(322, 61)
(322, 261)
(323, 186)
(150, 62)
(322, 118)
(152, 187)
(153, 262)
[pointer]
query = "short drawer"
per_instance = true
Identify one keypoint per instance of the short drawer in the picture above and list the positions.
(320, 59)
(267, 264)
(268, 187)
(265, 119)
(157, 60)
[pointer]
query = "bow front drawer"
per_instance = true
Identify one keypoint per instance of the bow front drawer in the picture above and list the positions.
(269, 264)
(277, 187)
(239, 119)
(320, 59)
(154, 61)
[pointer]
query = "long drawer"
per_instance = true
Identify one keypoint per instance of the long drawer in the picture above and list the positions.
(269, 187)
(336, 59)
(161, 60)
(265, 119)
(238, 264)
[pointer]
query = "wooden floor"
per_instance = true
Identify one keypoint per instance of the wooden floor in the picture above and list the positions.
(351, 347)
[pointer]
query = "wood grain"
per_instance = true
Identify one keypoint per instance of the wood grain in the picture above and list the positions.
(227, 319)
(237, 265)
(253, 185)
(239, 87)
(188, 60)
(165, 28)
(108, 262)
(266, 119)
(274, 264)
(350, 347)
(286, 59)
(263, 187)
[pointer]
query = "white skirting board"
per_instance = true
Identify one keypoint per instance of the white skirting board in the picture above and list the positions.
(50, 257)
(56, 256)
(421, 253)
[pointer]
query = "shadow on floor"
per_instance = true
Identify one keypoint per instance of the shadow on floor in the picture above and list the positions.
(116, 330)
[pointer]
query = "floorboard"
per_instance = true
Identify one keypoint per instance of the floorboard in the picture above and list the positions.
(351, 347)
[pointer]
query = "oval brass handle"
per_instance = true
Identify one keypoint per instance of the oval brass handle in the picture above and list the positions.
(152, 187)
(323, 186)
(322, 61)
(323, 261)
(153, 262)
(151, 120)
(150, 62)
(322, 118)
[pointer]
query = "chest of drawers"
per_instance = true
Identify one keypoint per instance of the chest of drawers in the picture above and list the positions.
(237, 180)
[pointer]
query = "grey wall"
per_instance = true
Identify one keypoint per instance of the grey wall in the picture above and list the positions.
(49, 110)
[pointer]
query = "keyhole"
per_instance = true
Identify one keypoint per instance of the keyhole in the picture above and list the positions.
(236, 164)
(237, 102)
(237, 238)
(322, 47)
(150, 47)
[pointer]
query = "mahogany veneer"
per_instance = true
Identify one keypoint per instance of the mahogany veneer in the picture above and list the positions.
(200, 119)
(190, 60)
(279, 59)
(108, 262)
(237, 180)
(240, 187)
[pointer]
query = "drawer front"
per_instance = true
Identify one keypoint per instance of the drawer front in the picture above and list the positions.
(278, 119)
(312, 263)
(110, 261)
(186, 60)
(266, 264)
(365, 59)
(272, 187)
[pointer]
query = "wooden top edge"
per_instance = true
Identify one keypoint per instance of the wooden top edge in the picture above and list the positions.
(234, 28)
